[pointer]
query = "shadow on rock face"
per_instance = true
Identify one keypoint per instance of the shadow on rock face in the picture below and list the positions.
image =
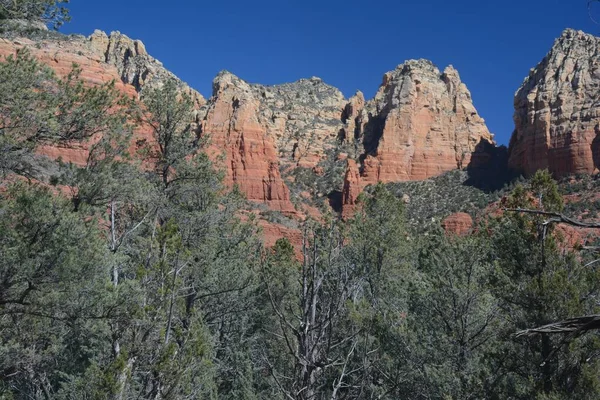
(488, 169)
(335, 200)
(373, 132)
(596, 148)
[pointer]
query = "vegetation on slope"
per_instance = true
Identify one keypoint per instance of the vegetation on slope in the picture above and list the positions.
(134, 278)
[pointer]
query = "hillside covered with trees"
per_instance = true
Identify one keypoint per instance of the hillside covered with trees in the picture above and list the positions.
(141, 275)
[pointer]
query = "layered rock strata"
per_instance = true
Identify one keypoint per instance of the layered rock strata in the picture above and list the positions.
(557, 110)
(460, 224)
(256, 130)
(420, 124)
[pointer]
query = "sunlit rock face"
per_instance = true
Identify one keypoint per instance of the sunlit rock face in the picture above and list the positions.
(420, 124)
(460, 224)
(255, 130)
(557, 110)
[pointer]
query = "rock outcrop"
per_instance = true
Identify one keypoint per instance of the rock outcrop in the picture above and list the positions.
(420, 124)
(258, 129)
(557, 110)
(135, 66)
(352, 189)
(236, 134)
(459, 224)
(101, 57)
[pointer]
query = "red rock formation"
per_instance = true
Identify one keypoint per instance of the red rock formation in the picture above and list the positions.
(421, 124)
(272, 232)
(352, 189)
(102, 59)
(354, 116)
(557, 115)
(459, 224)
(236, 134)
(569, 237)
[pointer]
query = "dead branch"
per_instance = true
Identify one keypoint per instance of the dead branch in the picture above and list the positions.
(556, 218)
(572, 325)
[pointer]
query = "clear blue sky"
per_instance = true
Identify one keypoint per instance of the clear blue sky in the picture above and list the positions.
(349, 44)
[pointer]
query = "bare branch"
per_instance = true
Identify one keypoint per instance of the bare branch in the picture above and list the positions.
(571, 325)
(556, 218)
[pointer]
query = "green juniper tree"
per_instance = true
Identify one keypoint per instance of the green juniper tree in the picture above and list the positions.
(38, 108)
(185, 265)
(54, 306)
(537, 282)
(452, 319)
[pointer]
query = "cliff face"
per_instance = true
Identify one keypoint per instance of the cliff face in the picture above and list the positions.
(420, 124)
(259, 129)
(134, 65)
(102, 58)
(557, 110)
(238, 137)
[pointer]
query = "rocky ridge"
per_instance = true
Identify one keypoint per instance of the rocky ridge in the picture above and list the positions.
(420, 124)
(135, 66)
(261, 129)
(102, 58)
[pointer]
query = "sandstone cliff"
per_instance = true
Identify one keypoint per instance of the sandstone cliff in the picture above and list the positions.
(420, 124)
(460, 224)
(259, 129)
(305, 136)
(102, 58)
(134, 65)
(557, 110)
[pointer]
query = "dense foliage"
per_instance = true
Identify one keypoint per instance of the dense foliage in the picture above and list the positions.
(134, 276)
(49, 12)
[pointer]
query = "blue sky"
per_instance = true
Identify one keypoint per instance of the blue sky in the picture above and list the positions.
(349, 44)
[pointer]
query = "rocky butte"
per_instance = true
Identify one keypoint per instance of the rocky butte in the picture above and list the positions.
(260, 129)
(557, 110)
(292, 148)
(420, 124)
